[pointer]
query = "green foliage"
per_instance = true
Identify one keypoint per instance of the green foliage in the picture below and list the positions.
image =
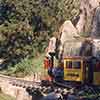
(26, 25)
(84, 34)
(41, 14)
(26, 67)
(22, 68)
(5, 97)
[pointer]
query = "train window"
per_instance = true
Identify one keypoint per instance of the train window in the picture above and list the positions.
(73, 64)
(68, 64)
(76, 64)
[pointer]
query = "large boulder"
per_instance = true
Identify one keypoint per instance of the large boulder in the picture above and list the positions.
(70, 42)
(68, 31)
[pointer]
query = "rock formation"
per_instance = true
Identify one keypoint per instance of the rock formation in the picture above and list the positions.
(96, 24)
(87, 9)
(68, 32)
(70, 42)
(88, 23)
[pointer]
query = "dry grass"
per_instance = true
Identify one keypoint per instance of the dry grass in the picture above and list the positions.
(6, 97)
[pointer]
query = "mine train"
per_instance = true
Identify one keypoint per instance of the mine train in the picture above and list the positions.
(74, 70)
(71, 78)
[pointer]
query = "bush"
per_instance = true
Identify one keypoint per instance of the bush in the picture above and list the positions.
(27, 66)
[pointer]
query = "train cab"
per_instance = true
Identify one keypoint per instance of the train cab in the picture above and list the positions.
(74, 69)
(77, 70)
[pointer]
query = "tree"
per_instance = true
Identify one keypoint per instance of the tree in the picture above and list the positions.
(25, 25)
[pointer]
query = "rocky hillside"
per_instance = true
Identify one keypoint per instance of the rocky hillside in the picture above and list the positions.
(87, 14)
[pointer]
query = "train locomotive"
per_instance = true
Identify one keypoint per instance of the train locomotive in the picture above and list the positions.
(74, 69)
(73, 78)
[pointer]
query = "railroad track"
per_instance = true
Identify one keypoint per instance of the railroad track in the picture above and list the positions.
(85, 93)
(19, 82)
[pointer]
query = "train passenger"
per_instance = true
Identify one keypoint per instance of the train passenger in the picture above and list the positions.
(51, 52)
(51, 46)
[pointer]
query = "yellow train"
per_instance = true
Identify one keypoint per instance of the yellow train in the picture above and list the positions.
(75, 69)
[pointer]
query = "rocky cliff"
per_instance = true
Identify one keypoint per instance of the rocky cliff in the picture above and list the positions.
(87, 13)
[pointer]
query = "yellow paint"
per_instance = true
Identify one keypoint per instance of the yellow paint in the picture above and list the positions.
(97, 78)
(72, 74)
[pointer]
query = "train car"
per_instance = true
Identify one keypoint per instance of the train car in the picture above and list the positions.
(77, 69)
(74, 69)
